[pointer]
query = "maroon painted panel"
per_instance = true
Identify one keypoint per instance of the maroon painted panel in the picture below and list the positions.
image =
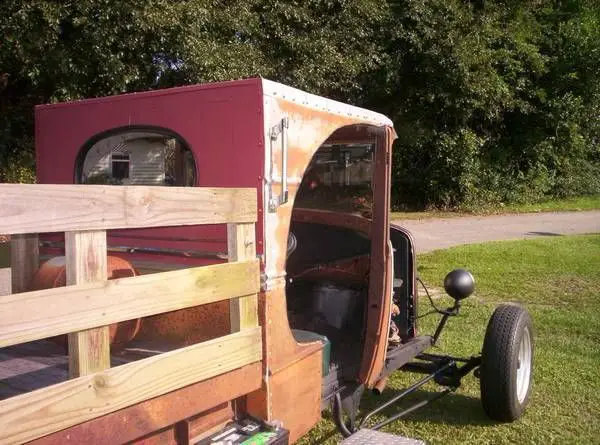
(222, 123)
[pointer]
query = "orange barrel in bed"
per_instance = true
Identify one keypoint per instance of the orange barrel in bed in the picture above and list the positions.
(52, 273)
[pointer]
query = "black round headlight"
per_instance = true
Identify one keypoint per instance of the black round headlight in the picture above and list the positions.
(459, 284)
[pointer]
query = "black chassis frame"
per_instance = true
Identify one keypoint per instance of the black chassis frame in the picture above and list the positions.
(445, 370)
(410, 356)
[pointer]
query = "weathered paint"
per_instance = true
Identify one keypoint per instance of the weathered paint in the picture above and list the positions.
(310, 125)
(227, 127)
(380, 285)
(221, 124)
(138, 421)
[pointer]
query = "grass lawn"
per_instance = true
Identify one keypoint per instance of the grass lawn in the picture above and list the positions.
(558, 280)
(573, 204)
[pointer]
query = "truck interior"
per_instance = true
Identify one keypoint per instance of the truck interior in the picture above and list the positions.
(329, 255)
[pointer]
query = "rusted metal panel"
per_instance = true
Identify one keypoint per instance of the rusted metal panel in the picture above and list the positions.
(300, 383)
(228, 128)
(188, 326)
(308, 129)
(380, 284)
(280, 352)
(157, 414)
(186, 431)
(312, 121)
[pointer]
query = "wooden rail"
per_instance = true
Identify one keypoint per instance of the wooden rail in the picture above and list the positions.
(101, 303)
(86, 261)
(59, 406)
(37, 208)
(89, 303)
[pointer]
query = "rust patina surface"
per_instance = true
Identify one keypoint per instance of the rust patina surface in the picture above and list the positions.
(228, 129)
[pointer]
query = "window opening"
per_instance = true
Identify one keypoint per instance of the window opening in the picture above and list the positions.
(138, 157)
(120, 166)
(339, 178)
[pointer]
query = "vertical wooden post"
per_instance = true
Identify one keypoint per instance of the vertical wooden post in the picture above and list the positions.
(85, 252)
(24, 260)
(241, 245)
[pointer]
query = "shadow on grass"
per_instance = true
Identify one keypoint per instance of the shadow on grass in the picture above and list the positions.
(318, 436)
(453, 409)
(543, 234)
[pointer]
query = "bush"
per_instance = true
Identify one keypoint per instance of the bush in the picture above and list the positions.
(18, 169)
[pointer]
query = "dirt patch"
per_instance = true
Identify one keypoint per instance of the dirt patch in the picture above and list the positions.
(435, 292)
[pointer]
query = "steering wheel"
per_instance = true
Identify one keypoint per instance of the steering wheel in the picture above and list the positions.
(292, 244)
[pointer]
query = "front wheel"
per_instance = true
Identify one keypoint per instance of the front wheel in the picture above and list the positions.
(507, 363)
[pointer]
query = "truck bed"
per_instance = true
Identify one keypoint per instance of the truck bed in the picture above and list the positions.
(30, 366)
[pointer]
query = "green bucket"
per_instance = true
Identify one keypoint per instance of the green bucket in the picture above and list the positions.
(309, 337)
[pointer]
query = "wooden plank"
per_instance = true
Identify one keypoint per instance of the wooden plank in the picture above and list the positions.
(89, 305)
(241, 245)
(300, 383)
(140, 420)
(85, 255)
(34, 208)
(36, 414)
(24, 260)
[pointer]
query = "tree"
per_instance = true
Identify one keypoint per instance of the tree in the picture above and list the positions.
(493, 101)
(60, 51)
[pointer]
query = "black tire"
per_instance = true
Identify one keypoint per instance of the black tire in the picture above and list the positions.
(505, 382)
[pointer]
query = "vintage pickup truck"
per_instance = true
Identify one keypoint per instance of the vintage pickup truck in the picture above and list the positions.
(203, 254)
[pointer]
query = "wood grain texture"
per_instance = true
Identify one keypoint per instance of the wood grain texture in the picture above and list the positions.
(301, 384)
(34, 208)
(85, 254)
(45, 313)
(241, 246)
(24, 260)
(36, 414)
(142, 419)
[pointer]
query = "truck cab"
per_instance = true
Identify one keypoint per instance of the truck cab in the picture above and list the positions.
(321, 173)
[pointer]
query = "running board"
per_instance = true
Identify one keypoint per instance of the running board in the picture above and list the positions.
(371, 437)
(406, 352)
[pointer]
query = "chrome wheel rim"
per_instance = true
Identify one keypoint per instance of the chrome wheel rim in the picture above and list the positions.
(524, 366)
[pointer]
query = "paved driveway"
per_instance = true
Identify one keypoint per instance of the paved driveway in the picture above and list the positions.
(432, 234)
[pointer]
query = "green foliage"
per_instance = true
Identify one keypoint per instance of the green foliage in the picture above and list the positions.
(494, 102)
(508, 76)
(19, 168)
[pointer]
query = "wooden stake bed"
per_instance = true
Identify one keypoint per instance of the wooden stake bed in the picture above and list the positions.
(241, 149)
(34, 365)
(44, 391)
